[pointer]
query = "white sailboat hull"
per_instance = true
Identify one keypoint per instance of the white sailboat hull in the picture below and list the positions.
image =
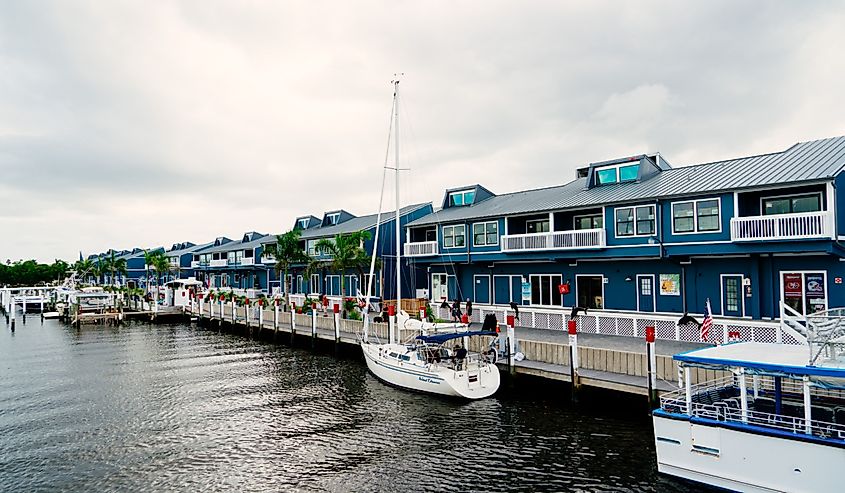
(475, 382)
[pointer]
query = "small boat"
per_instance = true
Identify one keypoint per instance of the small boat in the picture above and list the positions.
(425, 364)
(775, 420)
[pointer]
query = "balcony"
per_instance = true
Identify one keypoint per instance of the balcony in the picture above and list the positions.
(421, 249)
(195, 264)
(217, 263)
(557, 240)
(268, 259)
(247, 261)
(800, 226)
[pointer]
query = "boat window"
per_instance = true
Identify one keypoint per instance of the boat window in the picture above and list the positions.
(404, 357)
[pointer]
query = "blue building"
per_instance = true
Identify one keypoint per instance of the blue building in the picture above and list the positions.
(750, 235)
(234, 264)
(326, 280)
(181, 257)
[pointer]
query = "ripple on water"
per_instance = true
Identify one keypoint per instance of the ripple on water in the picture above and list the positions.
(173, 408)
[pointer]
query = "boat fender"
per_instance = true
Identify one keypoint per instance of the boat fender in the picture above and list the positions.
(518, 356)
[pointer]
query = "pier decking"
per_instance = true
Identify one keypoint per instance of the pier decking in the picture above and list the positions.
(607, 362)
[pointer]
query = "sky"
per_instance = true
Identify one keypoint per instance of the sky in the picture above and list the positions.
(146, 123)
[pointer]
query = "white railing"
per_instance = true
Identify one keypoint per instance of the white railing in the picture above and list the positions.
(420, 249)
(268, 259)
(195, 264)
(804, 225)
(218, 263)
(633, 324)
(557, 240)
(247, 261)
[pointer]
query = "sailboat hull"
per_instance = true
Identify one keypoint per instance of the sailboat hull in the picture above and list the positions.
(476, 382)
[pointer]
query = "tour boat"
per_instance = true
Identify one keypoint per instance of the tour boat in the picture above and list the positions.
(424, 364)
(774, 422)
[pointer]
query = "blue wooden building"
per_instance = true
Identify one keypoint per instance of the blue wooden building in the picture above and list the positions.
(752, 235)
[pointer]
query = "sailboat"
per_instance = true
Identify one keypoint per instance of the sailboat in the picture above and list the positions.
(437, 360)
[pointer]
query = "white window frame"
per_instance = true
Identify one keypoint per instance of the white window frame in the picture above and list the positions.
(803, 282)
(581, 216)
(788, 196)
(509, 277)
(463, 194)
(454, 236)
(538, 221)
(303, 223)
(615, 167)
(314, 285)
(603, 296)
(329, 279)
(695, 229)
(431, 285)
(333, 218)
(551, 292)
(634, 207)
(485, 224)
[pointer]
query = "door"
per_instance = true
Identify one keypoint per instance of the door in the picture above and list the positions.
(732, 300)
(482, 289)
(590, 291)
(439, 288)
(501, 290)
(645, 292)
(452, 283)
(804, 291)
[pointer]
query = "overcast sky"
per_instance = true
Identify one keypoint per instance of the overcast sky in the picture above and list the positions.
(146, 123)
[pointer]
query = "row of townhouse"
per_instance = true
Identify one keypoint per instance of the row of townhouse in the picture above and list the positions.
(751, 235)
(637, 234)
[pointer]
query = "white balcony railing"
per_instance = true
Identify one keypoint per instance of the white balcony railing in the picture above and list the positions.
(800, 226)
(268, 259)
(557, 240)
(247, 261)
(195, 264)
(217, 263)
(421, 249)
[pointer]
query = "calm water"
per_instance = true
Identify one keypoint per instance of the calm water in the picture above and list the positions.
(175, 408)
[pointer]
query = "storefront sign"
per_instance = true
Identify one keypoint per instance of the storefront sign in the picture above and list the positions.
(526, 291)
(814, 289)
(792, 286)
(670, 284)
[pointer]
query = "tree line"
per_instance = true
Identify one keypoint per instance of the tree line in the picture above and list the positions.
(31, 273)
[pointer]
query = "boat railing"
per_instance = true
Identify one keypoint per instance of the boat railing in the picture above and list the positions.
(720, 400)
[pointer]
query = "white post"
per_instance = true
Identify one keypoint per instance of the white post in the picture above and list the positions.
(808, 407)
(336, 323)
(260, 316)
(13, 310)
(756, 382)
(202, 305)
(248, 314)
(511, 345)
(313, 322)
(743, 395)
(276, 316)
(292, 320)
(234, 312)
(688, 390)
(391, 327)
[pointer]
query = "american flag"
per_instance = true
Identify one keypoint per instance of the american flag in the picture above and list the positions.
(707, 322)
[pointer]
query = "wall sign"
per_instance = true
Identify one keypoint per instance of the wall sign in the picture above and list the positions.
(526, 291)
(837, 280)
(670, 284)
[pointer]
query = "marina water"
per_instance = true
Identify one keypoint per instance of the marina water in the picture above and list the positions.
(177, 408)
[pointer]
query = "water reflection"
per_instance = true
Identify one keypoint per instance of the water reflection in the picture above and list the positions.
(172, 408)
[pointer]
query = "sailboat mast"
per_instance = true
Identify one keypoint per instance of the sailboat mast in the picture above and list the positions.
(398, 227)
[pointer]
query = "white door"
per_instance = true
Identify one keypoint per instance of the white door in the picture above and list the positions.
(439, 287)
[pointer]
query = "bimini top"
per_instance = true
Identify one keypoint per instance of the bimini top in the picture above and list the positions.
(779, 358)
(441, 338)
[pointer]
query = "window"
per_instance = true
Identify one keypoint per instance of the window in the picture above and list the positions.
(732, 294)
(315, 283)
(464, 197)
(311, 247)
(544, 289)
(594, 221)
(303, 223)
(696, 216)
(485, 234)
(230, 257)
(617, 173)
(792, 205)
(453, 236)
(332, 219)
(249, 253)
(537, 226)
(635, 221)
(646, 285)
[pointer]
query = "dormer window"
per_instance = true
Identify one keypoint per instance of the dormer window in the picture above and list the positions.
(332, 218)
(303, 223)
(465, 197)
(617, 173)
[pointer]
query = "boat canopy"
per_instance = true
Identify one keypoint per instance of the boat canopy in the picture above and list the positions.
(441, 338)
(763, 358)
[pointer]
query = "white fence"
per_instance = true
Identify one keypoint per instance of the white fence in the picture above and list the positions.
(421, 249)
(804, 225)
(557, 240)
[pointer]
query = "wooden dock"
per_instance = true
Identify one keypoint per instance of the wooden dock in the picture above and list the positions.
(615, 363)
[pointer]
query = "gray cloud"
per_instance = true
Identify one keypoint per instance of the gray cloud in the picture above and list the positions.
(144, 123)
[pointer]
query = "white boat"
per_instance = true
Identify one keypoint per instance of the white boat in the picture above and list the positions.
(775, 422)
(424, 364)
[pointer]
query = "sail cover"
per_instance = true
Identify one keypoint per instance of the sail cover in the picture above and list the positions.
(441, 338)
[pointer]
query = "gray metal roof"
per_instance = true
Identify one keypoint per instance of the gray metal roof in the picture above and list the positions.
(238, 244)
(190, 249)
(813, 161)
(357, 223)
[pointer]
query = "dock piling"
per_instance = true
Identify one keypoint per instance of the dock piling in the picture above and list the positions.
(336, 324)
(572, 327)
(313, 325)
(511, 341)
(651, 357)
(292, 322)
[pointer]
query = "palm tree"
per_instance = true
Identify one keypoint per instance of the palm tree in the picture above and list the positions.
(83, 268)
(161, 264)
(149, 261)
(286, 251)
(119, 267)
(347, 252)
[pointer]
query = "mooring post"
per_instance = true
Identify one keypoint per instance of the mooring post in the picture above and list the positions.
(42, 307)
(574, 377)
(313, 324)
(13, 314)
(336, 323)
(202, 305)
(292, 322)
(651, 355)
(511, 343)
(422, 314)
(248, 315)
(260, 315)
(234, 313)
(276, 317)
(391, 327)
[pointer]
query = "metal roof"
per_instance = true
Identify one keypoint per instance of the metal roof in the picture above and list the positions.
(238, 244)
(813, 161)
(357, 223)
